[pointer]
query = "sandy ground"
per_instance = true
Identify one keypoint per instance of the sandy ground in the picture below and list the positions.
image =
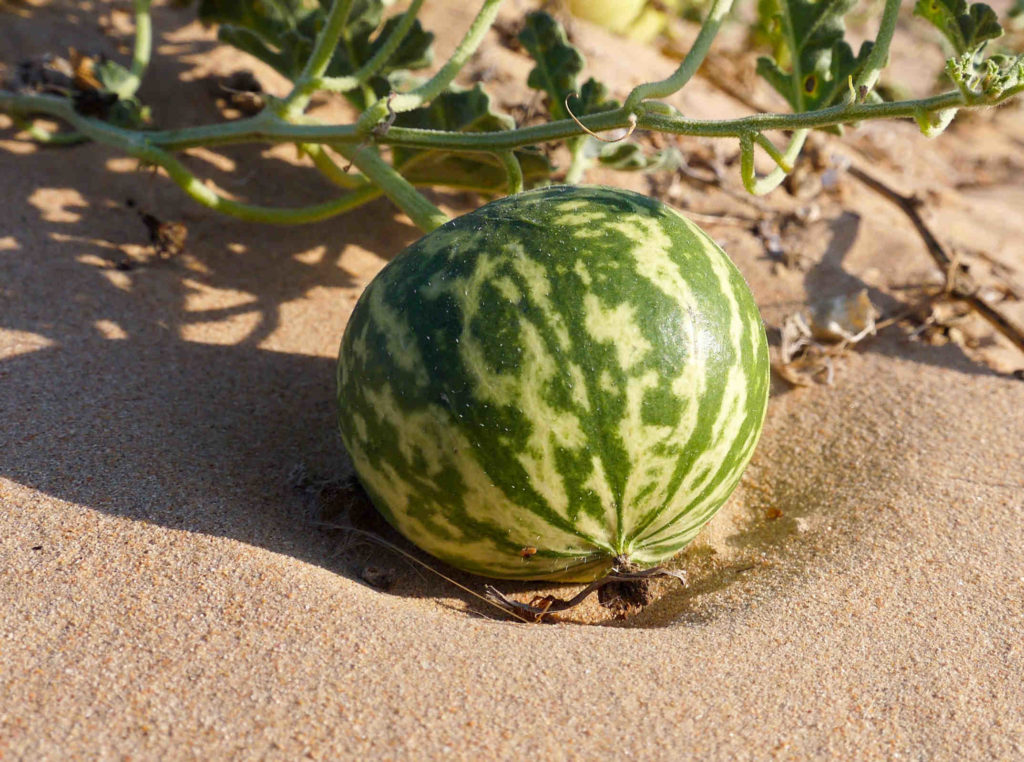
(164, 594)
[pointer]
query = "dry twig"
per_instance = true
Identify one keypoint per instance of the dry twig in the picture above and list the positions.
(959, 285)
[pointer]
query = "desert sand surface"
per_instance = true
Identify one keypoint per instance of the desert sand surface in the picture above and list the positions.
(168, 446)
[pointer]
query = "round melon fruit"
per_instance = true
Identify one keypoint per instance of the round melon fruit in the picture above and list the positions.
(559, 382)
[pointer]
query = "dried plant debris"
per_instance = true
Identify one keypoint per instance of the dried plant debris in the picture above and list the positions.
(624, 591)
(95, 84)
(808, 347)
(167, 239)
(817, 171)
(847, 318)
(941, 322)
(49, 74)
(241, 91)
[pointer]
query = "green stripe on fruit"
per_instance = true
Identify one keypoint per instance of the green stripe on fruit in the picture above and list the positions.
(576, 370)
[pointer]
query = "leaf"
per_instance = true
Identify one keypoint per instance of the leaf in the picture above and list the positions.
(128, 111)
(481, 172)
(112, 76)
(415, 52)
(462, 110)
(282, 33)
(986, 80)
(592, 99)
(807, 37)
(966, 27)
(558, 62)
(630, 157)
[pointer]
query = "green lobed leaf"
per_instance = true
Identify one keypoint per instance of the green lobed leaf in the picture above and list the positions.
(812, 63)
(558, 64)
(592, 99)
(415, 52)
(630, 157)
(967, 27)
(557, 61)
(282, 33)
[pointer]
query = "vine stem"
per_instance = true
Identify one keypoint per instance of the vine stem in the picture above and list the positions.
(47, 137)
(879, 55)
(142, 51)
(759, 186)
(434, 86)
(513, 170)
(267, 128)
(207, 196)
(319, 59)
(578, 163)
(371, 67)
(424, 214)
(329, 168)
(694, 58)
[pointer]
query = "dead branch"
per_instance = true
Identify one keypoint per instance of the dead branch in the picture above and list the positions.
(959, 285)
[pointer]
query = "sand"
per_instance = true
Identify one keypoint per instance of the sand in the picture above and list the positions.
(165, 595)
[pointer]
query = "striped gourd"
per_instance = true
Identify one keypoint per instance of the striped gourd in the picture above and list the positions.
(557, 382)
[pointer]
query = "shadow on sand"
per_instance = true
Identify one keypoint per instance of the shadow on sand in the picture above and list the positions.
(108, 406)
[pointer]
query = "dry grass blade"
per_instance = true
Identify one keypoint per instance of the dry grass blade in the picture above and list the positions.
(410, 557)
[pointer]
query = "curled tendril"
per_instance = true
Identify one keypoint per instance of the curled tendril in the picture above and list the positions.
(631, 120)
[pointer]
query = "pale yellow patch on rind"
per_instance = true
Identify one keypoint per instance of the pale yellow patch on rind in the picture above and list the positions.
(429, 436)
(618, 326)
(398, 336)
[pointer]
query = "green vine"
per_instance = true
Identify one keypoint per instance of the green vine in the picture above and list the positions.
(440, 135)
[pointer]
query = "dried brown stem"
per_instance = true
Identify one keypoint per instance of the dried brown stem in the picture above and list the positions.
(551, 605)
(959, 285)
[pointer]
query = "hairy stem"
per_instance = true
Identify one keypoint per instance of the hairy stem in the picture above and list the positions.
(777, 155)
(142, 51)
(47, 137)
(879, 55)
(329, 168)
(440, 81)
(265, 128)
(759, 186)
(424, 214)
(513, 170)
(579, 162)
(371, 67)
(208, 197)
(319, 59)
(694, 58)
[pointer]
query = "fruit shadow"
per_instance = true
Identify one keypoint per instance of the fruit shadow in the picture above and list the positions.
(208, 439)
(108, 406)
